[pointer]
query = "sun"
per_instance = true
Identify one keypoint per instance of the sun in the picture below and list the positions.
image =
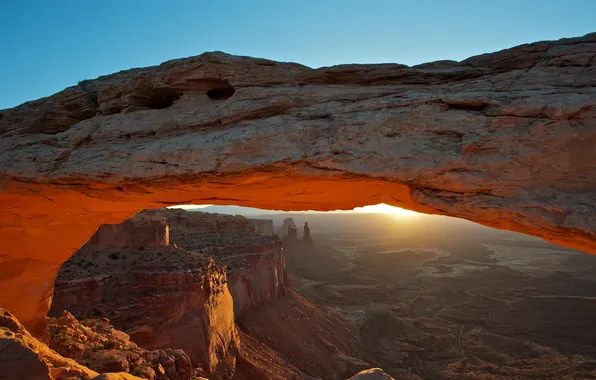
(383, 208)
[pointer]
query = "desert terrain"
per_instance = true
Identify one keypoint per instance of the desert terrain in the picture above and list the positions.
(447, 299)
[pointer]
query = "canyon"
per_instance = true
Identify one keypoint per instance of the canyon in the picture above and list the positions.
(341, 295)
(184, 295)
(217, 299)
(504, 139)
(447, 299)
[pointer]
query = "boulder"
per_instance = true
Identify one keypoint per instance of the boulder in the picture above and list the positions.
(371, 374)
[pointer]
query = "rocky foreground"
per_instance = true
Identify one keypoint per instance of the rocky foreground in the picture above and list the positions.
(95, 344)
(24, 357)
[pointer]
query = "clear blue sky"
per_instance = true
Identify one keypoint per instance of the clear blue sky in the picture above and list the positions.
(49, 45)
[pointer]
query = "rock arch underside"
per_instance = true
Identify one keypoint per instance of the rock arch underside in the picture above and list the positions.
(506, 139)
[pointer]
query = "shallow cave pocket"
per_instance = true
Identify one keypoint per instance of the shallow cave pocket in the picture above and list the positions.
(221, 90)
(161, 97)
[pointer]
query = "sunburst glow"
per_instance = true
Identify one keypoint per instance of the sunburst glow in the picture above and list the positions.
(380, 208)
(383, 208)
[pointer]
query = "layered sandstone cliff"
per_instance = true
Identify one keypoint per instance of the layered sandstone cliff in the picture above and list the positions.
(181, 223)
(263, 226)
(504, 139)
(150, 231)
(184, 296)
(161, 297)
(255, 263)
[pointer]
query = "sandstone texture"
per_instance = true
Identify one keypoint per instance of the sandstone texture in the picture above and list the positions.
(183, 296)
(116, 376)
(371, 374)
(172, 299)
(136, 232)
(505, 139)
(255, 264)
(24, 357)
(97, 345)
(259, 361)
(320, 343)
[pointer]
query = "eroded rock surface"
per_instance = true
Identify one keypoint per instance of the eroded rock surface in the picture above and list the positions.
(371, 374)
(141, 231)
(504, 139)
(173, 299)
(290, 237)
(97, 345)
(263, 226)
(186, 295)
(306, 236)
(318, 342)
(285, 227)
(255, 264)
(24, 357)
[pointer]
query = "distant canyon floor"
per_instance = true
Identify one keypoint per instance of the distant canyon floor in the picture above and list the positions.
(464, 303)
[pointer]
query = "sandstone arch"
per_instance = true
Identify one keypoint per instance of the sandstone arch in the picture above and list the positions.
(506, 139)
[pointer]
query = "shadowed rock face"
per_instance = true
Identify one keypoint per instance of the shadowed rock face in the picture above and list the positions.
(166, 306)
(186, 295)
(254, 261)
(504, 139)
(263, 226)
(134, 233)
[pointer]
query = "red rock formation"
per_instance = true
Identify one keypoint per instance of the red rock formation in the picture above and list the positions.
(173, 299)
(287, 223)
(181, 221)
(188, 298)
(291, 236)
(371, 374)
(263, 226)
(22, 357)
(95, 344)
(502, 139)
(320, 343)
(255, 263)
(135, 232)
(258, 361)
(256, 273)
(306, 238)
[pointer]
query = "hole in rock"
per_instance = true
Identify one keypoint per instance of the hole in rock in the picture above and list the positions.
(468, 106)
(92, 97)
(161, 98)
(348, 276)
(222, 92)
